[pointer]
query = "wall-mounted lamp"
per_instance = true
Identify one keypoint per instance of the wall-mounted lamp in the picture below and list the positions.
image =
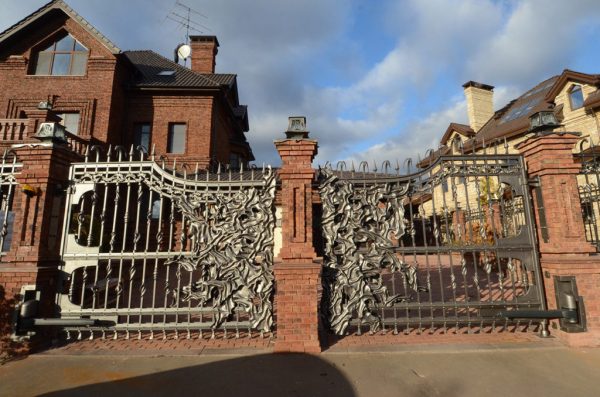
(51, 132)
(543, 121)
(296, 128)
(31, 191)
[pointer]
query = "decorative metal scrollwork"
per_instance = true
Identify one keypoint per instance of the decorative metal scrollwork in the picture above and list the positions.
(232, 247)
(359, 223)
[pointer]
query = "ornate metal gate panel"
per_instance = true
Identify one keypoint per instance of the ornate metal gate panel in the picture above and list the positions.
(449, 247)
(147, 248)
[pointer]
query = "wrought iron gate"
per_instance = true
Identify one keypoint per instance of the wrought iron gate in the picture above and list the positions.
(448, 247)
(150, 249)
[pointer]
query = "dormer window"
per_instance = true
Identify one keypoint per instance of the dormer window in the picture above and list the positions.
(64, 57)
(576, 97)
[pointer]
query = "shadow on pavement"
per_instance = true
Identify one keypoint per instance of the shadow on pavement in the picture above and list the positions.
(262, 375)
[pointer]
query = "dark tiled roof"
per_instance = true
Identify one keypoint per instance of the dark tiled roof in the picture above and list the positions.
(222, 78)
(149, 64)
(64, 7)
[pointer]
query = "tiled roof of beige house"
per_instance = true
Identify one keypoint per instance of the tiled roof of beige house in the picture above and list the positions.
(512, 119)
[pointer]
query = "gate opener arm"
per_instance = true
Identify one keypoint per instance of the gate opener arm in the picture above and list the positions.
(25, 320)
(569, 315)
(570, 311)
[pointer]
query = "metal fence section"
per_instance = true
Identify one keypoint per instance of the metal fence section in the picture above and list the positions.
(9, 169)
(451, 246)
(588, 183)
(151, 249)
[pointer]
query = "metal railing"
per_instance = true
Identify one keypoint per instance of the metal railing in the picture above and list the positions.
(164, 250)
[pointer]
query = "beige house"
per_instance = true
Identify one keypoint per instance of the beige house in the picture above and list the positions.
(572, 97)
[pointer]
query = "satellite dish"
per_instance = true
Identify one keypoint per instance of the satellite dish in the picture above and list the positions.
(184, 51)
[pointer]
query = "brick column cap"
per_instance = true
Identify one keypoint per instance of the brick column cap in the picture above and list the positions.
(563, 138)
(307, 142)
(550, 154)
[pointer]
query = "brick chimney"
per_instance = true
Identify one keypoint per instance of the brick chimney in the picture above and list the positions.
(480, 103)
(204, 53)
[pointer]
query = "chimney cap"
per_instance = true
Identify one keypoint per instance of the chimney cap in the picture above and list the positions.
(475, 84)
(204, 39)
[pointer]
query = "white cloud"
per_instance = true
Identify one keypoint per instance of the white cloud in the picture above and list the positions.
(279, 48)
(425, 134)
(537, 40)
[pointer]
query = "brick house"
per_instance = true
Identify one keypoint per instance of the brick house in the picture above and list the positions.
(55, 66)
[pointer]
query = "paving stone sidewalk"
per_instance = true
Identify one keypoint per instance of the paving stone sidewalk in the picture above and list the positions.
(427, 370)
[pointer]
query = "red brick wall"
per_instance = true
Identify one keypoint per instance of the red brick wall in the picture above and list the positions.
(587, 274)
(566, 251)
(91, 95)
(46, 169)
(204, 52)
(226, 132)
(34, 255)
(161, 110)
(222, 135)
(107, 111)
(296, 302)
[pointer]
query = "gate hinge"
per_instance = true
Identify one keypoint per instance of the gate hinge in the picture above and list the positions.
(534, 182)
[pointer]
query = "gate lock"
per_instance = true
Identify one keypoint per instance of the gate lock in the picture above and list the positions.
(570, 312)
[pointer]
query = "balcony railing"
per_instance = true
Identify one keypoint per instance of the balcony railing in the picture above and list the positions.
(76, 143)
(14, 130)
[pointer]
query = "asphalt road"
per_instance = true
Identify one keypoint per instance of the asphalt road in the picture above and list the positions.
(448, 371)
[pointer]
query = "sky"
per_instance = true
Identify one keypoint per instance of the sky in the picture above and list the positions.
(377, 79)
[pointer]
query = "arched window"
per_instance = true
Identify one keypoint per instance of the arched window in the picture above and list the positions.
(576, 97)
(64, 57)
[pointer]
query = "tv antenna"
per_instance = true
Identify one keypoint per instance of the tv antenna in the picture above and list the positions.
(184, 15)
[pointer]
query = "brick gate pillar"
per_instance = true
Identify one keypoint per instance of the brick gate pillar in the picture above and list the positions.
(297, 269)
(563, 248)
(38, 205)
